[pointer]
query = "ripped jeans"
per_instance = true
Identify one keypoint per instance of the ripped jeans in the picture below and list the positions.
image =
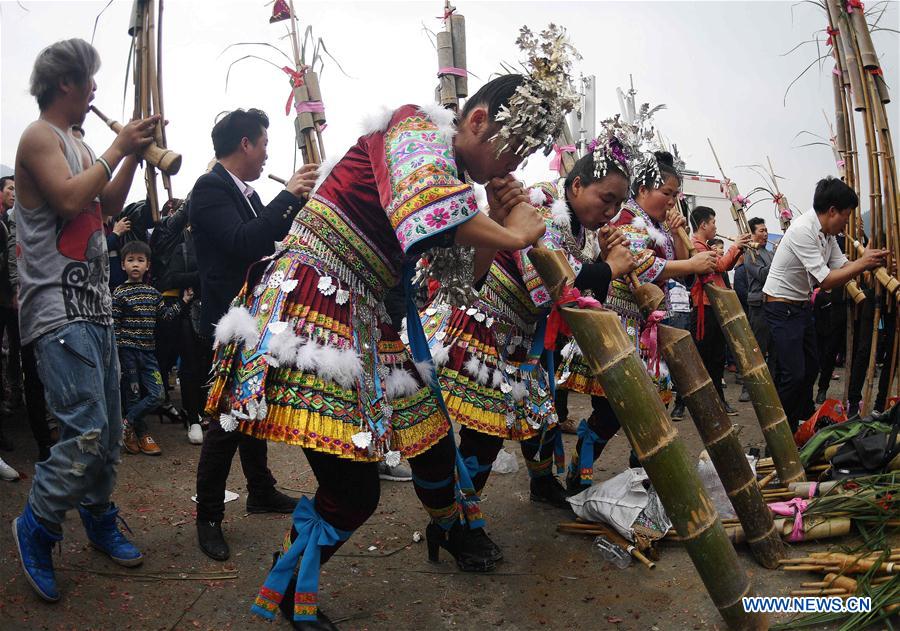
(79, 367)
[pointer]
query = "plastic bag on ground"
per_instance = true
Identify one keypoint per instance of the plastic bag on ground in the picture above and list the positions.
(505, 463)
(624, 502)
(611, 552)
(713, 485)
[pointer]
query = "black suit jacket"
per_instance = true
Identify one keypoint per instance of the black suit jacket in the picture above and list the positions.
(229, 237)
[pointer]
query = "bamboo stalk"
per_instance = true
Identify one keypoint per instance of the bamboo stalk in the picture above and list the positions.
(722, 443)
(445, 60)
(458, 37)
(632, 395)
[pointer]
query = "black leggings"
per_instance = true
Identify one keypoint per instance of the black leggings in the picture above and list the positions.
(349, 491)
(485, 447)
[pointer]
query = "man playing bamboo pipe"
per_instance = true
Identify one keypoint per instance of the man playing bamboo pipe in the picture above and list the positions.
(704, 326)
(66, 309)
(307, 354)
(489, 352)
(807, 254)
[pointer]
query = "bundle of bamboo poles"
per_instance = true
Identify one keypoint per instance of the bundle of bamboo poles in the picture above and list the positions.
(859, 86)
(145, 30)
(812, 529)
(310, 111)
(884, 563)
(633, 397)
(451, 52)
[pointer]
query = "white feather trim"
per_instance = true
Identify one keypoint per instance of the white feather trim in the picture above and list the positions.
(326, 167)
(340, 366)
(537, 197)
(400, 383)
(442, 117)
(484, 374)
(497, 379)
(283, 347)
(376, 121)
(306, 357)
(559, 211)
(440, 354)
(656, 235)
(519, 391)
(237, 325)
(472, 365)
(424, 369)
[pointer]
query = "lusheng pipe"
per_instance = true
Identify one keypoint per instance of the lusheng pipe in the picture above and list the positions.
(165, 160)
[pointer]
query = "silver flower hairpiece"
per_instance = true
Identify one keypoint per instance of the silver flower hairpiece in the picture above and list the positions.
(535, 114)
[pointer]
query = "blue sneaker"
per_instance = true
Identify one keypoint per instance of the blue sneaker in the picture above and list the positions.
(35, 544)
(104, 534)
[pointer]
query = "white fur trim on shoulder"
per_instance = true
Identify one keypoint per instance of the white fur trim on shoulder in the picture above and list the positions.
(442, 117)
(400, 383)
(559, 212)
(480, 197)
(237, 325)
(536, 196)
(377, 121)
(326, 167)
(656, 235)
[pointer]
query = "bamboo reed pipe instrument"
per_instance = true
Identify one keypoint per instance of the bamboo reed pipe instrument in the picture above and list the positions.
(278, 179)
(890, 284)
(612, 357)
(165, 160)
(753, 244)
(757, 379)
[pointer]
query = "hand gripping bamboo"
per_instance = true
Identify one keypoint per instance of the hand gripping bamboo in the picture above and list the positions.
(757, 379)
(165, 160)
(632, 395)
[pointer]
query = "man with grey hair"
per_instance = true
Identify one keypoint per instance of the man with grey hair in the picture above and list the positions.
(63, 191)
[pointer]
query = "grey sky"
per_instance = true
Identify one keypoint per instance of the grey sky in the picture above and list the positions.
(718, 66)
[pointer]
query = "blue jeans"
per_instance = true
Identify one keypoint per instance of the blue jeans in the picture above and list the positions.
(140, 370)
(679, 320)
(78, 366)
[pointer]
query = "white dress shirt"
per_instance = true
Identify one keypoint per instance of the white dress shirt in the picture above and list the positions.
(244, 188)
(804, 257)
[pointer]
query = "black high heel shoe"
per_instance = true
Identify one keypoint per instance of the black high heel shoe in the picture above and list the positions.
(467, 548)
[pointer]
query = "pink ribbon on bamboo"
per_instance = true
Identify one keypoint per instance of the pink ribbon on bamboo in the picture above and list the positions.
(855, 4)
(793, 508)
(556, 160)
(650, 339)
(555, 322)
(296, 81)
(459, 72)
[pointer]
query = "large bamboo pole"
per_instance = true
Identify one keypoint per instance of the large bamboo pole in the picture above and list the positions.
(632, 395)
(756, 377)
(721, 441)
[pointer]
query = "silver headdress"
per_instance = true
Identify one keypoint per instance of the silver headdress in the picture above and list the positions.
(535, 115)
(646, 170)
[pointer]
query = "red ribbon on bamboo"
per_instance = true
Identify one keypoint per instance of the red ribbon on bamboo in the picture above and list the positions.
(697, 296)
(296, 81)
(855, 4)
(831, 33)
(555, 322)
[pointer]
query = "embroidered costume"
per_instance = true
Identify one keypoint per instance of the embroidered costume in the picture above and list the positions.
(654, 247)
(308, 356)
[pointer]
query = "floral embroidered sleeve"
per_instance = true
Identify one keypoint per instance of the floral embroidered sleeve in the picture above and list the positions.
(542, 197)
(427, 197)
(649, 264)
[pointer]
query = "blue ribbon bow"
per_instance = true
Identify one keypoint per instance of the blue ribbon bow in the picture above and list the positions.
(313, 532)
(418, 346)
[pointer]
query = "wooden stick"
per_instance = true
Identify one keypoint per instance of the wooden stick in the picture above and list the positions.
(167, 160)
(278, 179)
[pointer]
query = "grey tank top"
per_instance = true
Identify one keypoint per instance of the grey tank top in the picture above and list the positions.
(63, 264)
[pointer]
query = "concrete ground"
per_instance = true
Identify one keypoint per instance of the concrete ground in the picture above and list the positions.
(380, 579)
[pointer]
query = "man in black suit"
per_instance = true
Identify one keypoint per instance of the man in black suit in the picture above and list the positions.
(232, 230)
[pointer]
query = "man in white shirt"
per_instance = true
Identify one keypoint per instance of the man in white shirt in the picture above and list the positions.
(808, 255)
